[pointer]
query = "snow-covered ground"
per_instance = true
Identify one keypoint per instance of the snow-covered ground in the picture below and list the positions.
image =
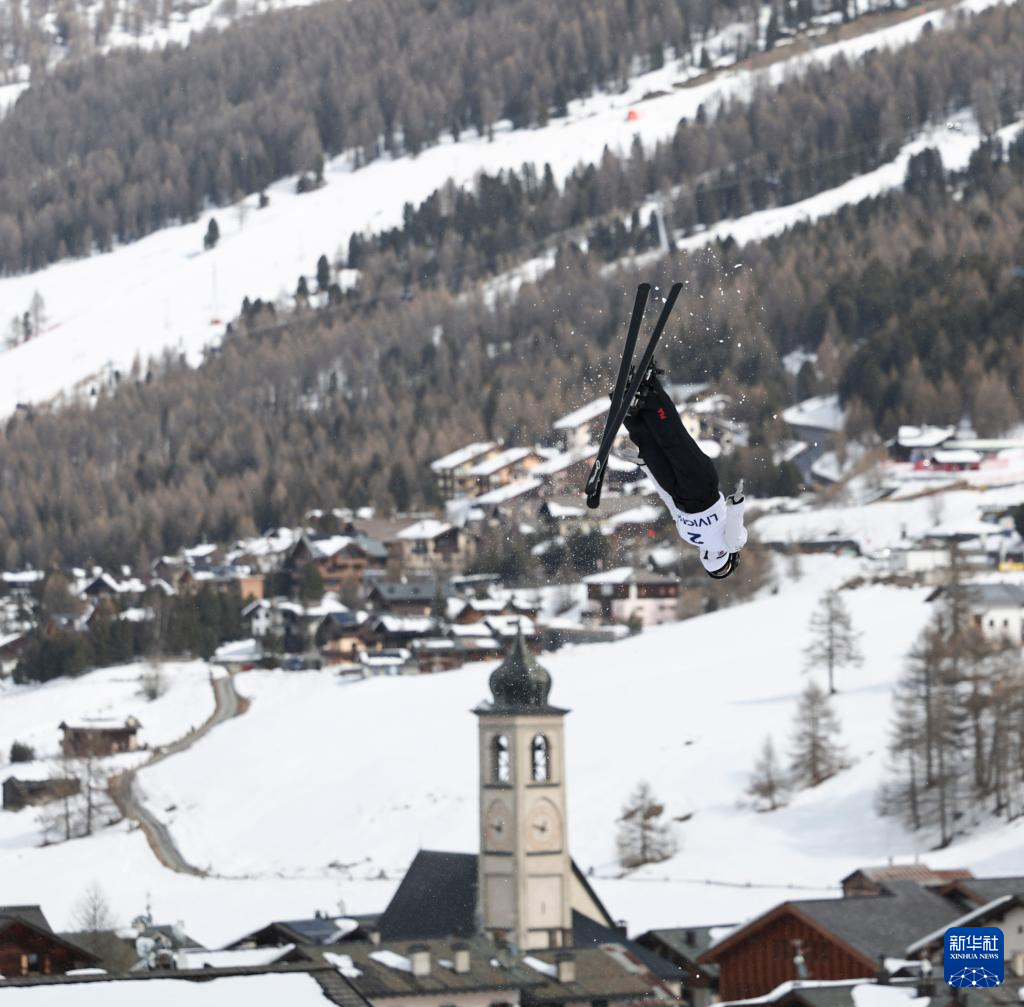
(165, 292)
(32, 713)
(955, 140)
(890, 523)
(321, 787)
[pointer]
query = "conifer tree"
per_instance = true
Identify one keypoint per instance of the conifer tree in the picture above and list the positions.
(816, 755)
(834, 640)
(767, 782)
(644, 836)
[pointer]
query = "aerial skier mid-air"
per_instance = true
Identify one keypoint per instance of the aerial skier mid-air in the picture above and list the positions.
(684, 477)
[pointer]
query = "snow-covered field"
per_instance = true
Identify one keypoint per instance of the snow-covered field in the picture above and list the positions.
(32, 713)
(321, 787)
(889, 523)
(165, 292)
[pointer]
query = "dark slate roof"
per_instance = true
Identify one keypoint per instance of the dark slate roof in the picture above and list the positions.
(437, 898)
(881, 925)
(686, 942)
(378, 979)
(412, 591)
(984, 890)
(588, 933)
(520, 684)
(603, 973)
(33, 918)
(32, 915)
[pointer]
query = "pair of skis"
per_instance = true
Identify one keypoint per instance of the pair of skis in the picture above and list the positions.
(627, 382)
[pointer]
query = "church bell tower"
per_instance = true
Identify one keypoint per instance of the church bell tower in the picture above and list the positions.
(525, 869)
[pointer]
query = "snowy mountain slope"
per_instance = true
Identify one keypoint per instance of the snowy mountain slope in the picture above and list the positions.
(358, 774)
(197, 16)
(321, 786)
(164, 292)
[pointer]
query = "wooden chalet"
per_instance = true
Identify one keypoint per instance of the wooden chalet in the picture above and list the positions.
(871, 880)
(339, 637)
(18, 794)
(28, 946)
(825, 939)
(341, 560)
(405, 597)
(99, 738)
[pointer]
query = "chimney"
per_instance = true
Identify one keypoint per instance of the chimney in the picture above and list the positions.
(565, 962)
(460, 956)
(1017, 964)
(419, 955)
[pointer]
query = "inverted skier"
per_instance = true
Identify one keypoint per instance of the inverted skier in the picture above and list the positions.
(686, 479)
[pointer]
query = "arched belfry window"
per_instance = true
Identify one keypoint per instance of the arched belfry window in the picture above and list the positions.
(541, 753)
(501, 761)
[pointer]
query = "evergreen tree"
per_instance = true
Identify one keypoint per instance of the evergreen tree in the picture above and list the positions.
(815, 754)
(212, 234)
(767, 782)
(323, 273)
(834, 640)
(644, 836)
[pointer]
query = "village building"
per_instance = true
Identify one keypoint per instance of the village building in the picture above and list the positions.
(29, 947)
(627, 593)
(99, 737)
(18, 794)
(431, 545)
(582, 427)
(450, 471)
(913, 444)
(406, 597)
(683, 946)
(503, 468)
(997, 609)
(843, 938)
(872, 880)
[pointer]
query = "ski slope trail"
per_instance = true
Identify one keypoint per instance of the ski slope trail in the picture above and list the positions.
(165, 293)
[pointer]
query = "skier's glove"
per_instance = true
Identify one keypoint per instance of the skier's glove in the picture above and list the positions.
(735, 533)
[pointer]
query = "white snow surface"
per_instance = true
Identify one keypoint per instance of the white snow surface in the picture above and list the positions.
(32, 713)
(891, 523)
(721, 682)
(296, 990)
(955, 146)
(684, 706)
(164, 292)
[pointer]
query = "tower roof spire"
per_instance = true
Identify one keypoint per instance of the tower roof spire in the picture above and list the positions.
(520, 684)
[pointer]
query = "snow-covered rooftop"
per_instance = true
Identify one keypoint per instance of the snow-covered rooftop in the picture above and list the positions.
(424, 530)
(563, 460)
(502, 494)
(489, 466)
(822, 412)
(585, 414)
(923, 437)
(457, 459)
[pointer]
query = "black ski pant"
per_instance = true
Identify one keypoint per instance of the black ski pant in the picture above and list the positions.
(672, 456)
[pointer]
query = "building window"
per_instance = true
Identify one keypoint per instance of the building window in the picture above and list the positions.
(501, 762)
(541, 754)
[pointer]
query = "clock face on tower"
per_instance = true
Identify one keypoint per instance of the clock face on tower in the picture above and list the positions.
(543, 827)
(497, 826)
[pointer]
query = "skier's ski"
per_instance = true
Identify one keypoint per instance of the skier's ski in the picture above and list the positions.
(596, 476)
(620, 404)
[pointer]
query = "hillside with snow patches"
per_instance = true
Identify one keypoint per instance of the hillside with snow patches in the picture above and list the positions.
(321, 793)
(164, 292)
